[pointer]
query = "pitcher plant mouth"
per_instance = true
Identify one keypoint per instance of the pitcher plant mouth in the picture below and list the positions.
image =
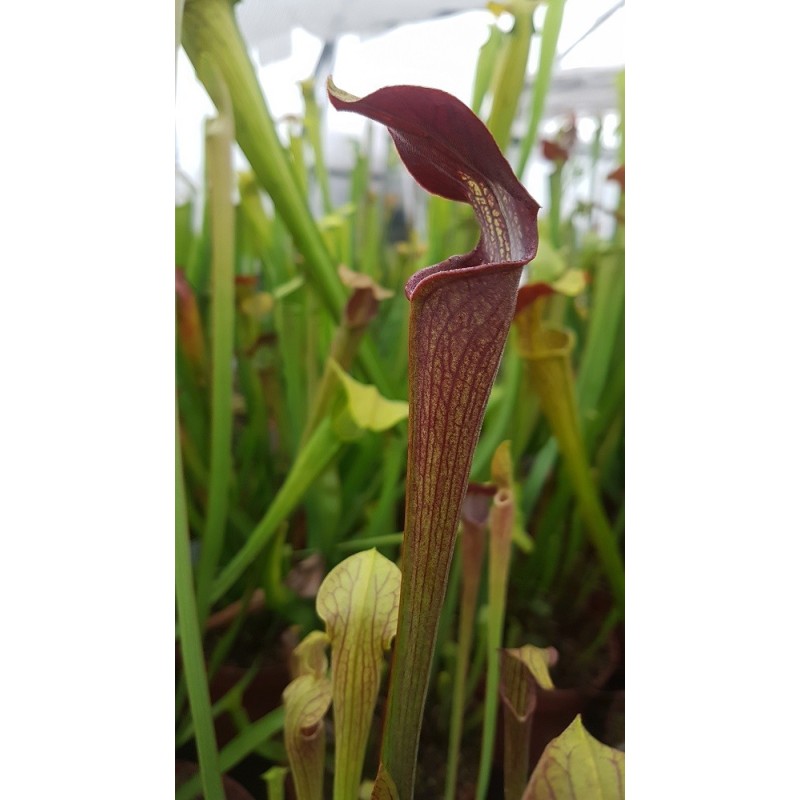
(461, 310)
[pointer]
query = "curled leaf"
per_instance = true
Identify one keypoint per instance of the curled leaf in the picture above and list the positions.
(365, 297)
(450, 152)
(522, 670)
(366, 408)
(359, 311)
(358, 280)
(358, 601)
(309, 658)
(575, 764)
(307, 700)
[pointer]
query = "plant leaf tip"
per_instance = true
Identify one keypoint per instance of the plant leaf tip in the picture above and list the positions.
(339, 94)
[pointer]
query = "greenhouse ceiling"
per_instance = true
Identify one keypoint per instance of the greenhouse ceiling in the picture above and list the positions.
(364, 45)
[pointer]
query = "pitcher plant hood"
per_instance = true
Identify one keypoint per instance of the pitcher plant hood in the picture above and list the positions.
(461, 312)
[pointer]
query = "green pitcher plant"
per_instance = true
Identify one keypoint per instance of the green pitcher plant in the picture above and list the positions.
(575, 764)
(214, 44)
(358, 601)
(474, 526)
(306, 700)
(524, 671)
(357, 409)
(546, 350)
(501, 527)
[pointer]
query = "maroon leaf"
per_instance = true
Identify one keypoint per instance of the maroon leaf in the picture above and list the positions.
(189, 327)
(530, 292)
(450, 152)
(553, 151)
(477, 503)
(474, 528)
(618, 175)
(365, 298)
(461, 311)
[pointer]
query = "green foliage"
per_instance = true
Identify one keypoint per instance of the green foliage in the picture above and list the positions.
(575, 764)
(358, 601)
(292, 429)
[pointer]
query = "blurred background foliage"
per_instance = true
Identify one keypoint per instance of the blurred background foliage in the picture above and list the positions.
(274, 498)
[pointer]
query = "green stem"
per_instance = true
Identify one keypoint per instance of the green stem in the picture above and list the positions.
(573, 543)
(275, 592)
(384, 516)
(542, 468)
(343, 349)
(445, 632)
(310, 462)
(231, 698)
(501, 527)
(608, 306)
(237, 749)
(596, 521)
(498, 424)
(555, 181)
(516, 755)
(178, 19)
(476, 669)
(484, 69)
(550, 535)
(313, 131)
(211, 36)
(387, 540)
(191, 646)
(550, 32)
(550, 373)
(296, 150)
(611, 621)
(471, 571)
(511, 77)
(275, 778)
(610, 405)
(210, 31)
(219, 142)
(290, 315)
(526, 417)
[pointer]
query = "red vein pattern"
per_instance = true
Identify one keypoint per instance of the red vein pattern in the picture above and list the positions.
(461, 311)
(359, 602)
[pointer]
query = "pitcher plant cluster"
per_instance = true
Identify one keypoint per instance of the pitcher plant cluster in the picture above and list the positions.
(399, 454)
